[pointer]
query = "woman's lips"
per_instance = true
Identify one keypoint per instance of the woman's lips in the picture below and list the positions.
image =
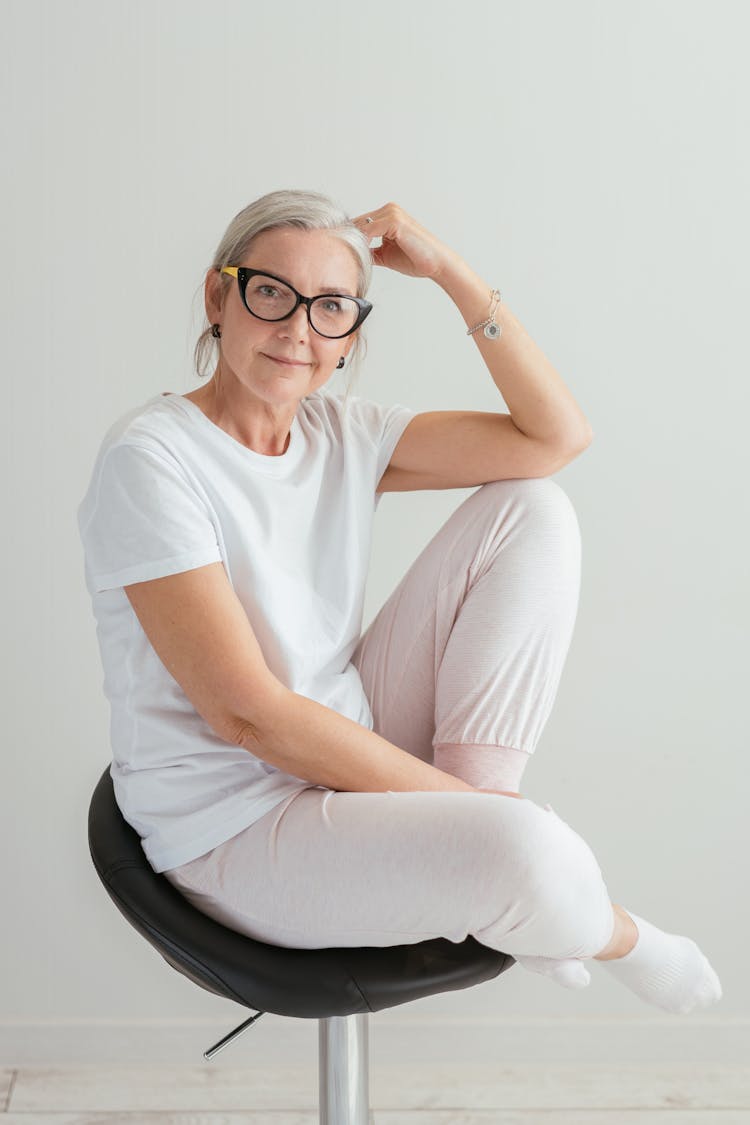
(286, 362)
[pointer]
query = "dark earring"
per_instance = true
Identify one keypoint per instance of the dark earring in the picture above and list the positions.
(340, 363)
(216, 331)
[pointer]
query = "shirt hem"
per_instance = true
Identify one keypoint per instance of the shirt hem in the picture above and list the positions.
(162, 859)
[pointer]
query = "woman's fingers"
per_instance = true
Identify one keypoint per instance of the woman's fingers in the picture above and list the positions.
(406, 246)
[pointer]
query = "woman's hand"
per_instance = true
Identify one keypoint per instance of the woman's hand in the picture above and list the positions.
(407, 247)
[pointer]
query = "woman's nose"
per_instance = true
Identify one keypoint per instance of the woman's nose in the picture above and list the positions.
(298, 321)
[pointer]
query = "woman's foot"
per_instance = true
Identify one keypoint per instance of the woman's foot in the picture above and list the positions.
(570, 972)
(667, 970)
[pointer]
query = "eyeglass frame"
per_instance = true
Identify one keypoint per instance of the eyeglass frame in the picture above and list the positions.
(244, 273)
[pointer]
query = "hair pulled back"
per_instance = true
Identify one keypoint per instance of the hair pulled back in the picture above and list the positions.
(305, 210)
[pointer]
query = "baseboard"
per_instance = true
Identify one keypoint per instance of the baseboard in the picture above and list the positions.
(394, 1037)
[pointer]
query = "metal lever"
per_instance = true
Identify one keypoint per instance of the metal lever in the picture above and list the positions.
(209, 1054)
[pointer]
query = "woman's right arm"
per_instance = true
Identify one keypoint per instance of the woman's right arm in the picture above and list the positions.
(201, 633)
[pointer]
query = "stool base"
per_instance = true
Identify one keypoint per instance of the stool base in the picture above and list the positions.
(343, 1067)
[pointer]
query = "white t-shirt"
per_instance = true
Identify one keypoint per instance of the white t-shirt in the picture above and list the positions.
(171, 491)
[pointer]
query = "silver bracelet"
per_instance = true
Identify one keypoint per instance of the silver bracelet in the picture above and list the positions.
(491, 329)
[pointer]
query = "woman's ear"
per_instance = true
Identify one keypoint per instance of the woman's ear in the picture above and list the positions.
(212, 292)
(350, 342)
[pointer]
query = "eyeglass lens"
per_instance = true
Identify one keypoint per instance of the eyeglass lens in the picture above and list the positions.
(272, 300)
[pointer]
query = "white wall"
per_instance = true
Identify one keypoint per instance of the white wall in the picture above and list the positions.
(590, 160)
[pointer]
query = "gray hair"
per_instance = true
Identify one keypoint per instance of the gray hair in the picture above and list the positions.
(305, 210)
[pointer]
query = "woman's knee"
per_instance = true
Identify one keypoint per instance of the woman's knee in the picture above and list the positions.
(573, 892)
(566, 906)
(539, 518)
(515, 836)
(540, 499)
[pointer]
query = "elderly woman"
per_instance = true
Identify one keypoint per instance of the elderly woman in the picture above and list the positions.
(294, 780)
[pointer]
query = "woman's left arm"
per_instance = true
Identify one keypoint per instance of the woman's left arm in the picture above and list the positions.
(541, 405)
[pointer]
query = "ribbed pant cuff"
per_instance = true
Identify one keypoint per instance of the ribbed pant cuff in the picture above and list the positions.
(485, 767)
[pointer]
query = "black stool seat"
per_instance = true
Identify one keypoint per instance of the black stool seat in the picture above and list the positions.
(339, 987)
(307, 983)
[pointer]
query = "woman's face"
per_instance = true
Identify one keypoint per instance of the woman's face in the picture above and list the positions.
(311, 261)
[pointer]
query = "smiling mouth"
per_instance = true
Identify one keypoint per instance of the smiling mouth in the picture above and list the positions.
(286, 362)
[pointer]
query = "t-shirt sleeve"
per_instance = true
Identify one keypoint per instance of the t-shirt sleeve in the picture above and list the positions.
(379, 428)
(143, 519)
(393, 421)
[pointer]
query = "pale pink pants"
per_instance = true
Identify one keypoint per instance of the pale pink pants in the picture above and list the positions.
(461, 667)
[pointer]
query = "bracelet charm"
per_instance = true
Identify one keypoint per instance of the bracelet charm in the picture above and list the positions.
(491, 329)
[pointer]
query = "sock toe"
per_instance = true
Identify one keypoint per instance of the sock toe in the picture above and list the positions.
(569, 972)
(667, 970)
(707, 992)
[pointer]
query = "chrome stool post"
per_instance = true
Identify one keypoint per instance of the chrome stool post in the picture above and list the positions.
(344, 1070)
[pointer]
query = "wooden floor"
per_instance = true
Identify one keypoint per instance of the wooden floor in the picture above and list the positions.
(514, 1095)
(610, 1075)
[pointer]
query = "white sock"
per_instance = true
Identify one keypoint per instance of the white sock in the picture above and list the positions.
(567, 971)
(667, 970)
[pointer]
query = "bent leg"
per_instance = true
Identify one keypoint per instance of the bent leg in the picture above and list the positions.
(462, 663)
